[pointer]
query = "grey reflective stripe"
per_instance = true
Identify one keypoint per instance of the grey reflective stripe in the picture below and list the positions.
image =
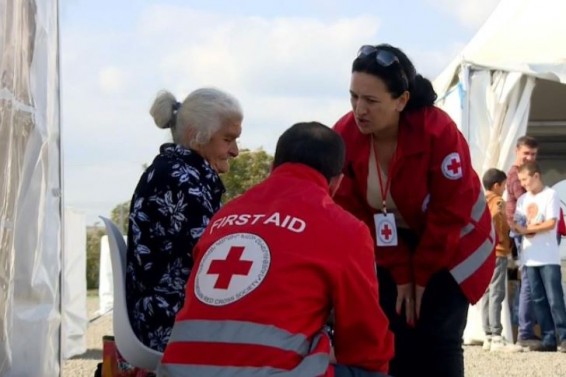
(473, 262)
(476, 214)
(479, 207)
(467, 229)
(311, 366)
(239, 332)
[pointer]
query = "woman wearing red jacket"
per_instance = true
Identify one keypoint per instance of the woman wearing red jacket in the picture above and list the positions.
(408, 175)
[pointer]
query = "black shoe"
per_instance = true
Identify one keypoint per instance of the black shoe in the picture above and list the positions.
(531, 344)
(545, 348)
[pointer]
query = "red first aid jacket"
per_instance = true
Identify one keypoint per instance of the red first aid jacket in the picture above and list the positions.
(561, 228)
(437, 193)
(268, 270)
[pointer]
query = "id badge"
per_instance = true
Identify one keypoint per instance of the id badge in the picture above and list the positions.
(385, 229)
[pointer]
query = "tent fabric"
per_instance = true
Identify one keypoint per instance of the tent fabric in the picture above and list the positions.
(74, 318)
(105, 282)
(498, 113)
(488, 88)
(525, 36)
(30, 189)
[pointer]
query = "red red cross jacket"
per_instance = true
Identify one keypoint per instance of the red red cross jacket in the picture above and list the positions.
(268, 270)
(437, 193)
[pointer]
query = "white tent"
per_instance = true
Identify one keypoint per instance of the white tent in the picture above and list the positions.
(508, 82)
(508, 77)
(35, 331)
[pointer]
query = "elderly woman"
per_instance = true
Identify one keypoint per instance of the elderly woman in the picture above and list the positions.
(172, 204)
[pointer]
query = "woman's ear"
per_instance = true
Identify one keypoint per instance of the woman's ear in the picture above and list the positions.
(189, 138)
(403, 100)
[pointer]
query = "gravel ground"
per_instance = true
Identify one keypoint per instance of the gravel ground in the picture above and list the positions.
(479, 363)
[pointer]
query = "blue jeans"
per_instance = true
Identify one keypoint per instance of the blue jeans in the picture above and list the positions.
(526, 310)
(514, 302)
(548, 298)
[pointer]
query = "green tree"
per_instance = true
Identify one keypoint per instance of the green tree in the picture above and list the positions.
(120, 215)
(246, 170)
(93, 235)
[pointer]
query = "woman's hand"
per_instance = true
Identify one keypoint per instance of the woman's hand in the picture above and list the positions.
(419, 292)
(411, 296)
(406, 298)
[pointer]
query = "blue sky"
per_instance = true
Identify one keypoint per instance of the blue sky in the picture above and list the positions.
(286, 61)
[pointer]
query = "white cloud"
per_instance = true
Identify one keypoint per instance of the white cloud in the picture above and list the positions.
(112, 80)
(281, 56)
(283, 70)
(471, 13)
(432, 62)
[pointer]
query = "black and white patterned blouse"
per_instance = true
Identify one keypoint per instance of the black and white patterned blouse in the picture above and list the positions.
(171, 207)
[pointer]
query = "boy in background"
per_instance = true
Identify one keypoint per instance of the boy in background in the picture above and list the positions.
(527, 150)
(491, 304)
(540, 255)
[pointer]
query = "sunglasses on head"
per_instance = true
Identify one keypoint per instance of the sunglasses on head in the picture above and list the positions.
(384, 58)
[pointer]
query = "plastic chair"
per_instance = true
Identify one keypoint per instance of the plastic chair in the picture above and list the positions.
(130, 347)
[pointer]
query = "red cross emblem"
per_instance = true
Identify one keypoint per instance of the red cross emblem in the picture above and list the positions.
(386, 232)
(227, 268)
(452, 166)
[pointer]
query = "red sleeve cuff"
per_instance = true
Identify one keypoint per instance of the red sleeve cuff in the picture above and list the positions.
(401, 274)
(422, 276)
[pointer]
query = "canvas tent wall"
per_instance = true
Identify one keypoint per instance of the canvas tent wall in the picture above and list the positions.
(510, 76)
(30, 187)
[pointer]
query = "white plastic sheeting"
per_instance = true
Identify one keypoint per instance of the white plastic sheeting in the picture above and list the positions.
(525, 36)
(491, 108)
(105, 284)
(30, 187)
(105, 281)
(74, 317)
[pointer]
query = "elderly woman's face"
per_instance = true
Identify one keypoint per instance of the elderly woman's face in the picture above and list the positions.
(222, 146)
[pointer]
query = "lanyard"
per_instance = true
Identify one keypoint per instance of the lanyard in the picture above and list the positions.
(384, 191)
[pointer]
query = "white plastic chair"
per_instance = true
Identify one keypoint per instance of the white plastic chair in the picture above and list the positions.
(130, 347)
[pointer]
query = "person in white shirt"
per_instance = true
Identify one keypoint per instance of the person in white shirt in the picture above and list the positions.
(540, 206)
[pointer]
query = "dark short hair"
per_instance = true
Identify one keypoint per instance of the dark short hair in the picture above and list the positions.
(493, 176)
(530, 167)
(312, 144)
(527, 141)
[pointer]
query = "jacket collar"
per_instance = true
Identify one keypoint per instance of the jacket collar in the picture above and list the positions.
(301, 172)
(411, 139)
